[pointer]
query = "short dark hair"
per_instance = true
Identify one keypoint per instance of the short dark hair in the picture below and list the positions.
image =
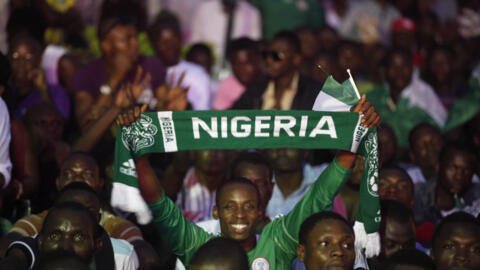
(108, 23)
(5, 70)
(198, 48)
(241, 44)
(235, 180)
(76, 186)
(164, 20)
(419, 128)
(452, 147)
(396, 211)
(291, 38)
(309, 223)
(409, 257)
(46, 260)
(222, 251)
(457, 217)
(400, 170)
(73, 207)
(398, 51)
(26, 20)
(29, 39)
(251, 158)
(79, 154)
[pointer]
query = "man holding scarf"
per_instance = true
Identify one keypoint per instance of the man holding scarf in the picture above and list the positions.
(237, 208)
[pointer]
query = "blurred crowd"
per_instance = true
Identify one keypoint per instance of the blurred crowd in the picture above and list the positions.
(71, 69)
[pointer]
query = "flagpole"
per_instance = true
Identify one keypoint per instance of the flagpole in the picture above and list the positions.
(353, 83)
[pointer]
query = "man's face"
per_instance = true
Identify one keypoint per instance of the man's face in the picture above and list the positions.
(260, 176)
(440, 66)
(281, 59)
(48, 126)
(168, 46)
(71, 231)
(211, 162)
(393, 185)
(24, 60)
(79, 169)
(397, 236)
(457, 247)
(245, 66)
(349, 57)
(285, 159)
(330, 245)
(399, 72)
(426, 148)
(456, 172)
(309, 44)
(237, 211)
(123, 39)
(387, 146)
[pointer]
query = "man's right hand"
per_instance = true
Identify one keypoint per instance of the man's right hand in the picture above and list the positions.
(129, 116)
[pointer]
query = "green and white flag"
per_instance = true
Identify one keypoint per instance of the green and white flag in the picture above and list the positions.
(194, 130)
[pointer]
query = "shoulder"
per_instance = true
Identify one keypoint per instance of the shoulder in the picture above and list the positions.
(121, 247)
(192, 69)
(150, 62)
(91, 67)
(29, 225)
(120, 228)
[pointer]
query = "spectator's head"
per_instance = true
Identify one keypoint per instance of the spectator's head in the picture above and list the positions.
(387, 145)
(219, 253)
(286, 160)
(45, 123)
(283, 55)
(256, 168)
(456, 168)
(202, 55)
(118, 35)
(79, 167)
(349, 56)
(438, 66)
(24, 54)
(328, 39)
(25, 20)
(325, 65)
(81, 193)
(237, 208)
(211, 162)
(397, 229)
(394, 183)
(427, 29)
(357, 173)
(403, 33)
(244, 56)
(326, 241)
(61, 260)
(72, 227)
(5, 72)
(456, 242)
(166, 37)
(308, 42)
(409, 259)
(426, 142)
(399, 69)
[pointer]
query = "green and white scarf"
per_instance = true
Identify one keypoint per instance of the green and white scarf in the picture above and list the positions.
(167, 131)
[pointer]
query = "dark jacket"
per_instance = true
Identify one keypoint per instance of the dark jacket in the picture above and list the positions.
(307, 92)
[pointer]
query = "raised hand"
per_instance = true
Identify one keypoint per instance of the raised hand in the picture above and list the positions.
(170, 96)
(370, 117)
(128, 94)
(128, 117)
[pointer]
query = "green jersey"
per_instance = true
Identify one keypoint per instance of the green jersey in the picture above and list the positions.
(276, 247)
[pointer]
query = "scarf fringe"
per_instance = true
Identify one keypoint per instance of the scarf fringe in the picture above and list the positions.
(370, 242)
(129, 199)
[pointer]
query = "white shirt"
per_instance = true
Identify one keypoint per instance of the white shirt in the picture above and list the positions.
(197, 81)
(5, 163)
(281, 205)
(125, 256)
(209, 24)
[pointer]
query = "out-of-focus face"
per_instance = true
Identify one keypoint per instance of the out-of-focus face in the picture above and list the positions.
(79, 169)
(349, 57)
(286, 159)
(24, 59)
(211, 162)
(71, 231)
(403, 39)
(330, 245)
(440, 66)
(457, 247)
(47, 126)
(285, 60)
(238, 211)
(328, 39)
(396, 237)
(168, 46)
(387, 146)
(393, 185)
(123, 39)
(399, 72)
(309, 44)
(246, 66)
(426, 147)
(328, 67)
(456, 172)
(260, 176)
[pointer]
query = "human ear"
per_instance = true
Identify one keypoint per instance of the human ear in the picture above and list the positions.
(215, 212)
(301, 252)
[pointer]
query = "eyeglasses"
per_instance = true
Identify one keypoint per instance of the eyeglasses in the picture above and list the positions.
(274, 55)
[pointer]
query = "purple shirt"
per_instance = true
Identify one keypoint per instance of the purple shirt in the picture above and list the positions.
(90, 77)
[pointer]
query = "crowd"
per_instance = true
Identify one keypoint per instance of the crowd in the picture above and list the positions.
(73, 72)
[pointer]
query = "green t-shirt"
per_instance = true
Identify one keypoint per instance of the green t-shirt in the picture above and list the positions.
(278, 242)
